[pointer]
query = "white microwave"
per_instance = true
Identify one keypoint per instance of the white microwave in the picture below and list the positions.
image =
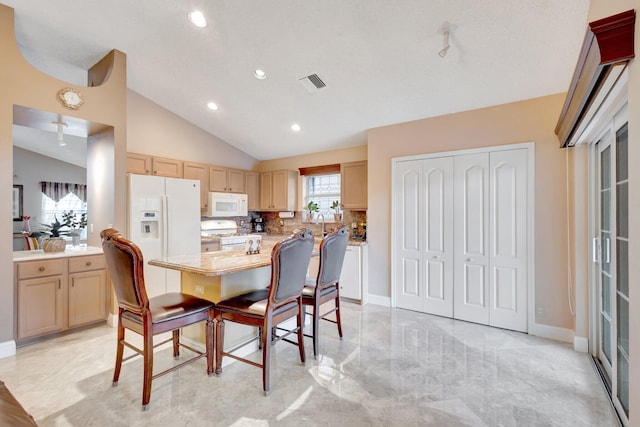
(227, 204)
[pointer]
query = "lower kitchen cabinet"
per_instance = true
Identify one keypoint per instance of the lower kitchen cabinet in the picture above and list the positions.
(40, 306)
(88, 293)
(54, 295)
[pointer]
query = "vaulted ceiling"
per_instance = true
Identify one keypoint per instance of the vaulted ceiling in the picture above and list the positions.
(378, 58)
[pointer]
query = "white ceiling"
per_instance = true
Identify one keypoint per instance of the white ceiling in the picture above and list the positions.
(379, 59)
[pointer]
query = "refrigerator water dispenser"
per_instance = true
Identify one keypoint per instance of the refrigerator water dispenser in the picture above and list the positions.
(150, 225)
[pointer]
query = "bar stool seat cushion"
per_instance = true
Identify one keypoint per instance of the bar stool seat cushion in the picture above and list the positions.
(171, 306)
(252, 304)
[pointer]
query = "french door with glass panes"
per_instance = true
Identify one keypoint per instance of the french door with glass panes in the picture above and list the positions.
(611, 255)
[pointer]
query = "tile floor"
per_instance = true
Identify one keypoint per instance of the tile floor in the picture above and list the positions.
(393, 368)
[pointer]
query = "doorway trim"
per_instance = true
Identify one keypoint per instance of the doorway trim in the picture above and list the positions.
(532, 327)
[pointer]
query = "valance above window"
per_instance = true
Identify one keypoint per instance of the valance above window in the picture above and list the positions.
(320, 170)
(57, 190)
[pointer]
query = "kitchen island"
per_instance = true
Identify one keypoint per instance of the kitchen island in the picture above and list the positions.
(223, 274)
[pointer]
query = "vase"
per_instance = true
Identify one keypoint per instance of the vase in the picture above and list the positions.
(54, 244)
(75, 239)
(337, 217)
(309, 216)
(26, 226)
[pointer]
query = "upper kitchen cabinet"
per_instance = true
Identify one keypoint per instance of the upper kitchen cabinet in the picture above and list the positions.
(200, 172)
(167, 167)
(226, 180)
(353, 178)
(253, 190)
(278, 190)
(138, 163)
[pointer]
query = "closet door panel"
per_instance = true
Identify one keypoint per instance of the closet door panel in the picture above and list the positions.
(508, 260)
(471, 213)
(408, 223)
(438, 255)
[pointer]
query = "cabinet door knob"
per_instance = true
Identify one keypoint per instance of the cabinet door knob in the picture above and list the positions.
(41, 269)
(435, 257)
(88, 263)
(469, 259)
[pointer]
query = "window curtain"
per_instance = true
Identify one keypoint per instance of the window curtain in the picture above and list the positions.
(57, 190)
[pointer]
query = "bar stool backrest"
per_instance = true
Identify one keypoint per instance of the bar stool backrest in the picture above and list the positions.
(289, 264)
(332, 251)
(126, 267)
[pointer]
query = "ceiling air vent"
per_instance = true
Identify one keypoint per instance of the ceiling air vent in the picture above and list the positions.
(312, 83)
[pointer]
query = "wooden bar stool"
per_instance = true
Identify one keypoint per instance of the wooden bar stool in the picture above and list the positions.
(150, 316)
(266, 308)
(326, 285)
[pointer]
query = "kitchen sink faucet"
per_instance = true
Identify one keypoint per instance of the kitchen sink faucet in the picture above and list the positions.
(322, 228)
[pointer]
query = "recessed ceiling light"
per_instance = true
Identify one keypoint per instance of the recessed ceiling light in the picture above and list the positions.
(197, 18)
(259, 74)
(295, 127)
(212, 106)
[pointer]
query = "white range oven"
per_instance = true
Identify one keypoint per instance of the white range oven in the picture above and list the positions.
(224, 231)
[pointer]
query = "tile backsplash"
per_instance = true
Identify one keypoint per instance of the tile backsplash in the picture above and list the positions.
(276, 225)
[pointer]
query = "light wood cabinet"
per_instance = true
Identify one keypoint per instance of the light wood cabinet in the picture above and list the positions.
(87, 290)
(139, 164)
(200, 172)
(253, 190)
(41, 306)
(353, 181)
(58, 294)
(278, 190)
(226, 180)
(167, 167)
(209, 246)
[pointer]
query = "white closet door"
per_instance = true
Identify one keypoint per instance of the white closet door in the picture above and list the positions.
(471, 243)
(508, 243)
(424, 235)
(438, 228)
(408, 223)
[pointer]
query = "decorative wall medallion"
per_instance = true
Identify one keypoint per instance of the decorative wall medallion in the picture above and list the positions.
(70, 98)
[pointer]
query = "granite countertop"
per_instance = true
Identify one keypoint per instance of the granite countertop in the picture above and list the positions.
(221, 262)
(278, 237)
(70, 251)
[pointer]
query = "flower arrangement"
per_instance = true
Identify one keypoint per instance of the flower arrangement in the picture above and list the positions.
(55, 229)
(75, 221)
(311, 208)
(70, 220)
(335, 205)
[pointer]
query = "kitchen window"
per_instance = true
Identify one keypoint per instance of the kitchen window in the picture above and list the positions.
(321, 184)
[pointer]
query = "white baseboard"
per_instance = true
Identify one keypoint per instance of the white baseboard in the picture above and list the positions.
(553, 333)
(378, 300)
(581, 344)
(112, 320)
(7, 349)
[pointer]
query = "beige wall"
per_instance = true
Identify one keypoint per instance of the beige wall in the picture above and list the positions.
(154, 130)
(601, 9)
(531, 120)
(353, 154)
(21, 84)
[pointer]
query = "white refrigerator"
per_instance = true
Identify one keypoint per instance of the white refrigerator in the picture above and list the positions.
(163, 220)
